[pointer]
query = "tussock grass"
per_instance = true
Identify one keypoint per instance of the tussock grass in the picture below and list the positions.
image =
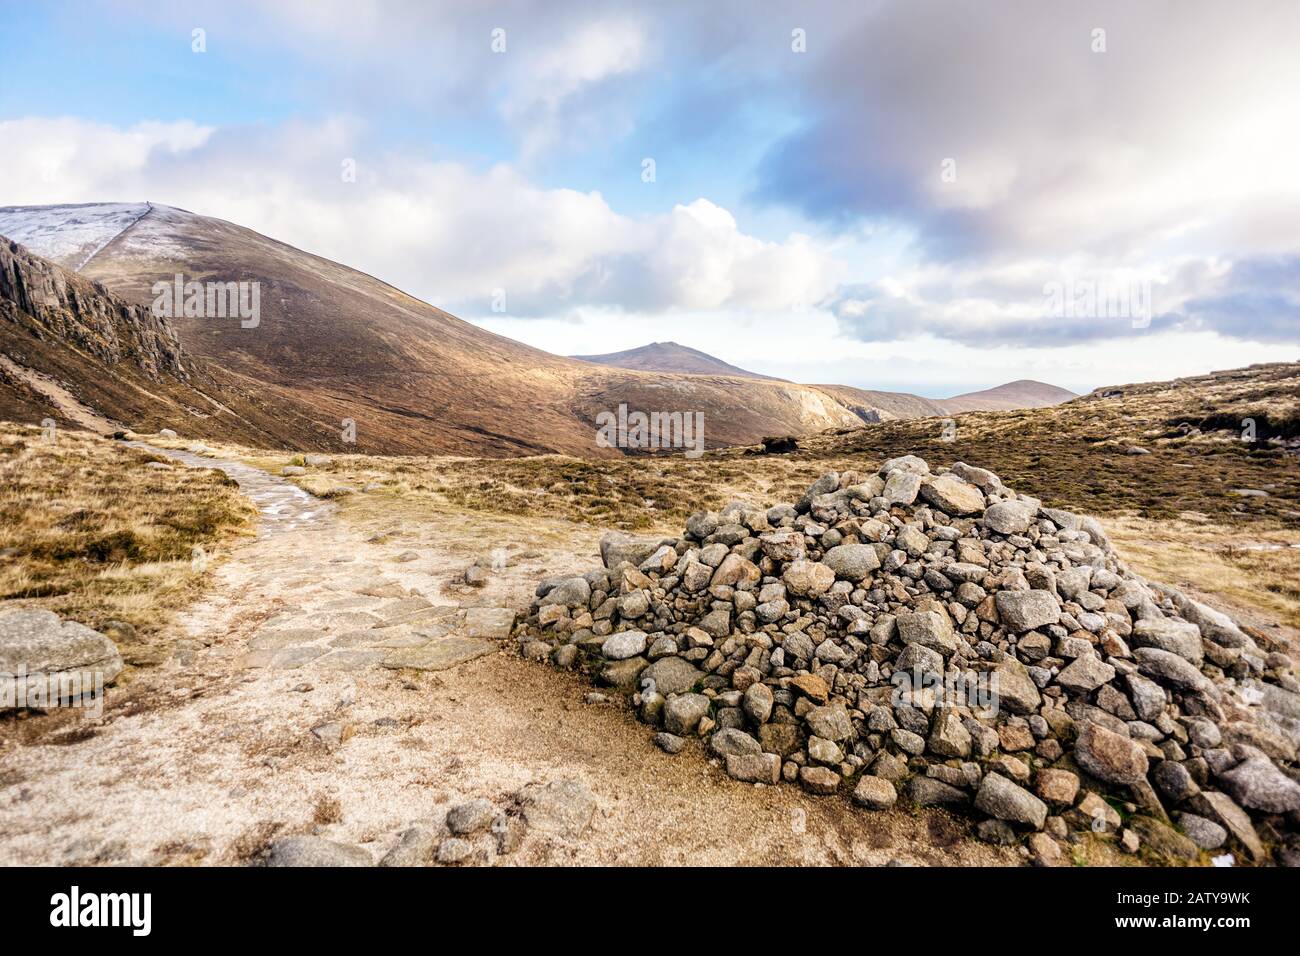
(90, 531)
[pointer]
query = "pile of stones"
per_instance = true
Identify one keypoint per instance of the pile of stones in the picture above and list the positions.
(935, 636)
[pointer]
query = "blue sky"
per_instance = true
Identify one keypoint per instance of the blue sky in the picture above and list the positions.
(887, 208)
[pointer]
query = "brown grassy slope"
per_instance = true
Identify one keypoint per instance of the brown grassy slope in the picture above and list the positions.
(1171, 511)
(886, 406)
(89, 531)
(126, 364)
(1078, 451)
(414, 378)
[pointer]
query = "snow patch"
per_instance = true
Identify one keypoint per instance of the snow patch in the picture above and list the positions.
(70, 235)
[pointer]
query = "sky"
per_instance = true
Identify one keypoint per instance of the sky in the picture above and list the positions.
(917, 195)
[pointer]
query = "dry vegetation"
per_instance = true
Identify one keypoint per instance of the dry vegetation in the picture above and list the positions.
(89, 530)
(1174, 512)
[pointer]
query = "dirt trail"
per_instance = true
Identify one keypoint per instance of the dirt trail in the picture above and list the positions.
(68, 404)
(207, 757)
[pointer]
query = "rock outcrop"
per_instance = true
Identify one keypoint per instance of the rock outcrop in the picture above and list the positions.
(83, 313)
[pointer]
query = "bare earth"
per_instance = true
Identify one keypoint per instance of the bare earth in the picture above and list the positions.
(208, 757)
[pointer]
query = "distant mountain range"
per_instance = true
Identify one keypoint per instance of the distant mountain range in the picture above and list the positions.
(333, 345)
(867, 404)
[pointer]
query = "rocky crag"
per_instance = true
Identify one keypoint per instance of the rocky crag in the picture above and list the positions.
(77, 311)
(935, 636)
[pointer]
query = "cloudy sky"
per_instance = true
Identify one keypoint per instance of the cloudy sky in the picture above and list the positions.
(920, 196)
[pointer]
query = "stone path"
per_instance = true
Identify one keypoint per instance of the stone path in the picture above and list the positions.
(282, 504)
(326, 597)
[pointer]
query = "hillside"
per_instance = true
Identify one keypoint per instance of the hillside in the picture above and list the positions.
(874, 406)
(71, 351)
(413, 378)
(1023, 393)
(670, 357)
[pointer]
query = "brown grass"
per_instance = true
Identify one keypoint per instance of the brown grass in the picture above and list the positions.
(91, 532)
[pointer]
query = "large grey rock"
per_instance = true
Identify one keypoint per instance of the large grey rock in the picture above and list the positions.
(1085, 674)
(671, 675)
(624, 644)
(569, 592)
(1023, 611)
(853, 562)
(616, 547)
(901, 488)
(929, 629)
(948, 737)
(950, 494)
(830, 721)
(566, 806)
(732, 741)
(754, 768)
(52, 656)
(315, 851)
(1177, 637)
(758, 702)
(1173, 671)
(1009, 517)
(1004, 800)
(1109, 756)
(682, 714)
(1257, 783)
(874, 793)
(1014, 689)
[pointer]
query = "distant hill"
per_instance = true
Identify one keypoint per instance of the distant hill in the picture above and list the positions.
(869, 405)
(875, 406)
(670, 357)
(1023, 393)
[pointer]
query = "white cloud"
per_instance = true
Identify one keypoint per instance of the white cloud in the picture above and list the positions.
(444, 231)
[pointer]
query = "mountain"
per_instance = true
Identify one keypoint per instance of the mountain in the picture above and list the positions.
(333, 344)
(868, 405)
(873, 406)
(670, 357)
(1023, 393)
(73, 352)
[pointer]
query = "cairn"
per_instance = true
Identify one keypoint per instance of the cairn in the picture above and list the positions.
(935, 634)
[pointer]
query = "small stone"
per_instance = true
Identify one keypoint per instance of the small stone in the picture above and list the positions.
(1110, 757)
(469, 817)
(1205, 833)
(874, 793)
(315, 851)
(754, 768)
(819, 780)
(454, 850)
(669, 743)
(1000, 798)
(682, 714)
